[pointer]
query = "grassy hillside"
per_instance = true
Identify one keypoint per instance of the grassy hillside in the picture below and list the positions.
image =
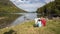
(51, 9)
(8, 7)
(52, 27)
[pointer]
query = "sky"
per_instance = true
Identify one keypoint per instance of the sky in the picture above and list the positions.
(30, 5)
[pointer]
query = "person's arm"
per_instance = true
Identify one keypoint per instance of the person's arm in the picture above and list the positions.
(35, 21)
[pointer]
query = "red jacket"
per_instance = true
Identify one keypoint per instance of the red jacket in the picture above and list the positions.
(43, 21)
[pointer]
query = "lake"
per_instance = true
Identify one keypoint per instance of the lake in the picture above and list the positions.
(14, 19)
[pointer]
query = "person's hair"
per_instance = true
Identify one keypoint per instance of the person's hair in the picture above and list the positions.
(39, 20)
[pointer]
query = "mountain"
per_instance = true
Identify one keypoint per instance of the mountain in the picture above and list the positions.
(30, 5)
(51, 9)
(8, 7)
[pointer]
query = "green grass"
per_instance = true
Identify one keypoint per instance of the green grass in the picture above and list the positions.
(52, 27)
(8, 7)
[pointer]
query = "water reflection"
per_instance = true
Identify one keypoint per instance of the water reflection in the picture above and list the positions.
(25, 17)
(7, 19)
(14, 19)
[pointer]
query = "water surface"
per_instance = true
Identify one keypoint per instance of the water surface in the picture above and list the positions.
(24, 17)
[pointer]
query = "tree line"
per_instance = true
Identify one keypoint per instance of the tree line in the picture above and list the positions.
(52, 9)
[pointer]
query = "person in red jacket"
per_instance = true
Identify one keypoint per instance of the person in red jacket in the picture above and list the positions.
(43, 20)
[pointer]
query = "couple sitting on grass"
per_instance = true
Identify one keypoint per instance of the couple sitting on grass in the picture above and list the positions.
(40, 22)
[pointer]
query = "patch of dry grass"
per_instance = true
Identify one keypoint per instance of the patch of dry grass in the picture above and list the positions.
(52, 27)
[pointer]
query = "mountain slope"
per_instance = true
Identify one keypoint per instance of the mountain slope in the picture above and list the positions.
(53, 8)
(8, 7)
